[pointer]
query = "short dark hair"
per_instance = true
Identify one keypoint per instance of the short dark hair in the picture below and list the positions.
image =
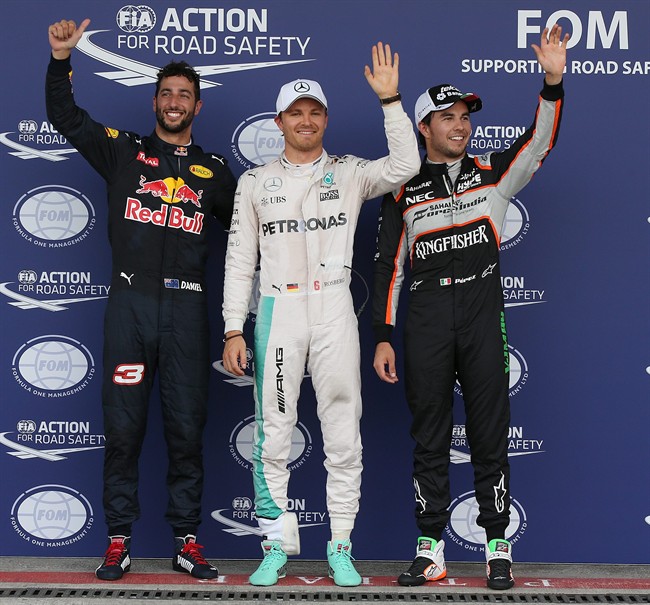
(427, 120)
(179, 68)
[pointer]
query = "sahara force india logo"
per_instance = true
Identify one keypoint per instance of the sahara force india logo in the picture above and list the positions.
(170, 191)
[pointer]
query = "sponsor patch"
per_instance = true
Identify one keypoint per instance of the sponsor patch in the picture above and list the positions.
(149, 161)
(329, 195)
(502, 546)
(201, 171)
(111, 132)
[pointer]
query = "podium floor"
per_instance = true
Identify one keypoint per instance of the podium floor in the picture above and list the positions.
(71, 581)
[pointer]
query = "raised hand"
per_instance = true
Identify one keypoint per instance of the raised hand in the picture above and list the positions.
(64, 36)
(384, 76)
(551, 53)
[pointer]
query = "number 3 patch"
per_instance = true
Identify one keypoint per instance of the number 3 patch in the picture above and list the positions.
(129, 373)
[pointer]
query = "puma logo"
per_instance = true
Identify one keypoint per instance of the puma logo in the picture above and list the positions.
(127, 277)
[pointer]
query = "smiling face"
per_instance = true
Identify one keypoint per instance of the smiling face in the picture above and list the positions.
(303, 126)
(447, 133)
(175, 106)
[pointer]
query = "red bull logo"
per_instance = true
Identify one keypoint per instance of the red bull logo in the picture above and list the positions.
(171, 190)
(156, 188)
(170, 216)
(186, 194)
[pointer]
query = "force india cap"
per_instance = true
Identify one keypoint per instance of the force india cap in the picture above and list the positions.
(299, 89)
(442, 97)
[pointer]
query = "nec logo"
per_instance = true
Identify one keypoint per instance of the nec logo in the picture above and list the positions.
(596, 26)
(421, 197)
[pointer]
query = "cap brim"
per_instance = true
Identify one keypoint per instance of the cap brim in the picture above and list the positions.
(472, 101)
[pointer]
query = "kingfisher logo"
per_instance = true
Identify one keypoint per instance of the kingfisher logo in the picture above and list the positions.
(51, 516)
(257, 141)
(36, 141)
(518, 375)
(241, 444)
(53, 366)
(463, 530)
(516, 224)
(54, 216)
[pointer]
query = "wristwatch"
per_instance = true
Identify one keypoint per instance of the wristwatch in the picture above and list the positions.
(389, 100)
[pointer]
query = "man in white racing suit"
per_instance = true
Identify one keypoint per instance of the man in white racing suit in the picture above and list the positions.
(299, 213)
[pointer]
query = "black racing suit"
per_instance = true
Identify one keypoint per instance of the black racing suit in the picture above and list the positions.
(455, 327)
(156, 317)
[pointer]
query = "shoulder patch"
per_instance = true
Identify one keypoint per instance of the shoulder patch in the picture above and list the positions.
(111, 132)
(201, 171)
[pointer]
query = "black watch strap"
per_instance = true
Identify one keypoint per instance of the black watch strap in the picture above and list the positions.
(389, 100)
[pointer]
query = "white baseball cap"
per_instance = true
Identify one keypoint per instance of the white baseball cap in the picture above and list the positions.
(299, 89)
(442, 97)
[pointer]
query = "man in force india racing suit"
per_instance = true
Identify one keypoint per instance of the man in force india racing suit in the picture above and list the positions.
(448, 221)
(160, 189)
(300, 211)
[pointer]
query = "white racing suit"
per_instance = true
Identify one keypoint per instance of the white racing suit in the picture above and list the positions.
(302, 223)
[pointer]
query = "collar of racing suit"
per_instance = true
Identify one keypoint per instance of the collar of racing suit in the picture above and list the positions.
(169, 149)
(308, 169)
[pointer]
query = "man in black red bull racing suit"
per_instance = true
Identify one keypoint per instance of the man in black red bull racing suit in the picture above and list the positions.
(448, 221)
(160, 189)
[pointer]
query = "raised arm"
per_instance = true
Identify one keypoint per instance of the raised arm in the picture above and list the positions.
(551, 53)
(380, 176)
(384, 75)
(64, 36)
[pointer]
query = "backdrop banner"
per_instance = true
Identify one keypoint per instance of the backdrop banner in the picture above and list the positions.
(574, 261)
